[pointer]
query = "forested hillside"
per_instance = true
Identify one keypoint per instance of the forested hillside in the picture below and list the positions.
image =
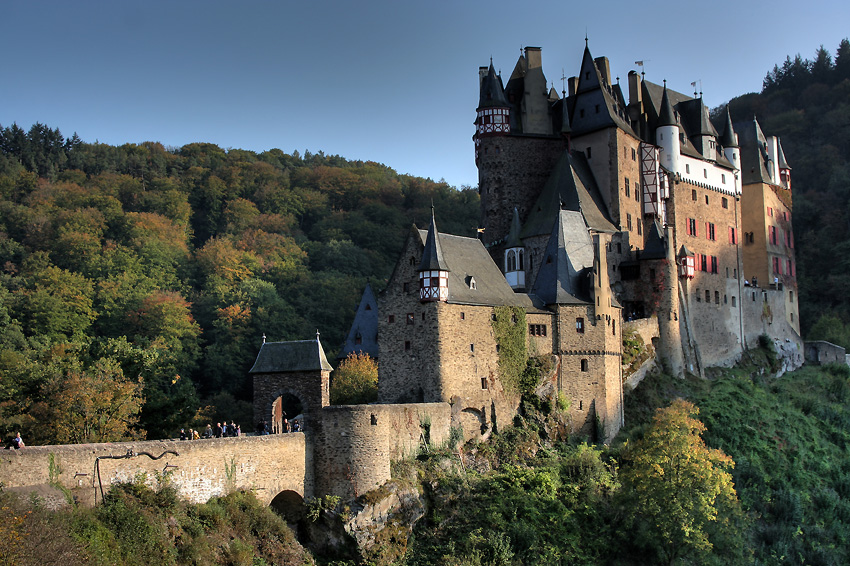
(145, 276)
(807, 103)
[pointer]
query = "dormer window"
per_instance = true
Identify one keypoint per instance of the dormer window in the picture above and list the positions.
(472, 284)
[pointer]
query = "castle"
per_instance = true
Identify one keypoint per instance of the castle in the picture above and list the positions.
(599, 217)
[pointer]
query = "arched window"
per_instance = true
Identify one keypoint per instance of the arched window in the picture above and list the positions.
(511, 262)
(520, 260)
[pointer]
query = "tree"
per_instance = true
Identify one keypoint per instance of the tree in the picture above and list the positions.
(355, 381)
(94, 405)
(677, 488)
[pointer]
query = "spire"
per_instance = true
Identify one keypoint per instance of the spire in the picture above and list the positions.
(432, 257)
(666, 116)
(513, 240)
(566, 261)
(566, 129)
(729, 138)
(492, 92)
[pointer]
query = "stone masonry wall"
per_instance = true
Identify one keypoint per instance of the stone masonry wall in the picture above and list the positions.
(204, 468)
(358, 443)
(511, 173)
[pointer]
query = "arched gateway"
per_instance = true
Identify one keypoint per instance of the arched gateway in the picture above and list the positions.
(291, 378)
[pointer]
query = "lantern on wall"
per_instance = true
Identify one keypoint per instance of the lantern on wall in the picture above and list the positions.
(686, 263)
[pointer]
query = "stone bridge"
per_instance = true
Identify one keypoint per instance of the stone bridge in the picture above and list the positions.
(273, 466)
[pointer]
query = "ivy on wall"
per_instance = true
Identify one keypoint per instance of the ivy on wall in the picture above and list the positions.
(510, 329)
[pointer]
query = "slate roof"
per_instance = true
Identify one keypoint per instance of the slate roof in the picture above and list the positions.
(492, 93)
(365, 326)
(754, 158)
(729, 139)
(654, 246)
(513, 240)
(563, 277)
(599, 92)
(432, 257)
(467, 259)
(571, 186)
(283, 357)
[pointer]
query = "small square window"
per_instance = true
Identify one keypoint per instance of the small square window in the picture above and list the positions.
(724, 202)
(584, 365)
(407, 345)
(483, 383)
(410, 318)
(580, 325)
(472, 347)
(391, 319)
(693, 194)
(463, 316)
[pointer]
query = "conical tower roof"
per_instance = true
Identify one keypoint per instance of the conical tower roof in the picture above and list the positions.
(565, 118)
(666, 117)
(432, 257)
(513, 240)
(492, 92)
(729, 138)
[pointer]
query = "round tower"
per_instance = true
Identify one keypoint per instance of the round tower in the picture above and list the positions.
(493, 115)
(729, 141)
(667, 134)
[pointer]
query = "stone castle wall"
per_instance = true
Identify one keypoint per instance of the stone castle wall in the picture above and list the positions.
(359, 442)
(204, 468)
(511, 173)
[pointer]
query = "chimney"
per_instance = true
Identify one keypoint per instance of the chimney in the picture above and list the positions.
(533, 57)
(604, 69)
(572, 85)
(482, 72)
(635, 96)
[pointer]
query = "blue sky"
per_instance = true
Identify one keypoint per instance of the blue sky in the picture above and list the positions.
(388, 81)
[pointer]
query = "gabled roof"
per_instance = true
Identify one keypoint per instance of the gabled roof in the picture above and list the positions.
(654, 246)
(593, 90)
(432, 257)
(783, 164)
(467, 259)
(365, 326)
(566, 263)
(754, 157)
(571, 186)
(283, 357)
(492, 92)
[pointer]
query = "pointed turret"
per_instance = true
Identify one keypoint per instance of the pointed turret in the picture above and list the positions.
(515, 256)
(784, 168)
(667, 134)
(566, 129)
(666, 117)
(492, 92)
(729, 141)
(433, 269)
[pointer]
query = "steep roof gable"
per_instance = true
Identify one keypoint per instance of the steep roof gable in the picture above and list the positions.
(571, 186)
(468, 261)
(563, 274)
(283, 357)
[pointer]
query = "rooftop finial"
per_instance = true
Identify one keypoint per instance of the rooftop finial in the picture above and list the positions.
(317, 335)
(264, 337)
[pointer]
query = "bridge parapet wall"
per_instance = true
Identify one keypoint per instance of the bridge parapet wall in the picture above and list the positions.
(204, 468)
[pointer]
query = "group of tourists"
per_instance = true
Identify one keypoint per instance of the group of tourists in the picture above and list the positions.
(221, 430)
(286, 426)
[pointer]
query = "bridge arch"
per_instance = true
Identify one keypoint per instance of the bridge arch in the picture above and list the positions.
(289, 505)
